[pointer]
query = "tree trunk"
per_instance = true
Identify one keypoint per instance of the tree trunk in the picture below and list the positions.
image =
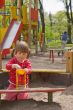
(69, 33)
(43, 25)
(69, 18)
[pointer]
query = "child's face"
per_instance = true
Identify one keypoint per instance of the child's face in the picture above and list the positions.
(21, 55)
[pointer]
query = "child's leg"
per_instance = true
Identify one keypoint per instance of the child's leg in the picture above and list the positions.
(10, 96)
(22, 96)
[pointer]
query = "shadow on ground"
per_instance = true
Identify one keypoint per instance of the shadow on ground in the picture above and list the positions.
(29, 105)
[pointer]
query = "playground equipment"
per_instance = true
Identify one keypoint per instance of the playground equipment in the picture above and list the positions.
(49, 91)
(11, 35)
(39, 72)
(14, 12)
(2, 33)
(2, 2)
(22, 20)
(24, 14)
(29, 19)
(21, 72)
(69, 62)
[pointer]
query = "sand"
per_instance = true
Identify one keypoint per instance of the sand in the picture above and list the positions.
(39, 101)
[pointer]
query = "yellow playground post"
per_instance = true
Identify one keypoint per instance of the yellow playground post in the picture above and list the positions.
(24, 14)
(20, 72)
(14, 12)
(2, 33)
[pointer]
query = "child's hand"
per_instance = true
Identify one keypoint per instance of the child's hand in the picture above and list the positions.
(16, 66)
(26, 70)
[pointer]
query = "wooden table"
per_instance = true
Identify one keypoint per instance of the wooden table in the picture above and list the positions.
(52, 52)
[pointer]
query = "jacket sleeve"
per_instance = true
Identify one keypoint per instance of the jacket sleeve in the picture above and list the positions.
(9, 64)
(28, 67)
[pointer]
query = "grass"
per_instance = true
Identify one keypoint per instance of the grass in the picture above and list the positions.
(57, 44)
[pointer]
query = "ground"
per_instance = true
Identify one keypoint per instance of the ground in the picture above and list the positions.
(38, 101)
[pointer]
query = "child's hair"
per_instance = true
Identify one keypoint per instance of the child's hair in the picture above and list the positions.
(22, 47)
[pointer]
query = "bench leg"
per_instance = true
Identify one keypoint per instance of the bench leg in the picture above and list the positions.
(0, 98)
(50, 97)
(52, 56)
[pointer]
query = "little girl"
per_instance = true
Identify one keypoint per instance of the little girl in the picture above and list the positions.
(19, 61)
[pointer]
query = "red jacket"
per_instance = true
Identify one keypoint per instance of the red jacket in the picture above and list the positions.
(12, 74)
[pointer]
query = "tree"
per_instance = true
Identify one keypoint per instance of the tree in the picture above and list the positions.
(68, 7)
(59, 24)
(41, 11)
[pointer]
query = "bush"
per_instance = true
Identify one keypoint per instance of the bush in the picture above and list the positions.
(54, 44)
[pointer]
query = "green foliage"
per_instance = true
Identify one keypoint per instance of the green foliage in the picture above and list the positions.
(54, 44)
(59, 25)
(57, 44)
(69, 45)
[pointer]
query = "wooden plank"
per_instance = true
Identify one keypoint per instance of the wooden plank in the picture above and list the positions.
(63, 71)
(60, 49)
(59, 71)
(40, 89)
(5, 70)
(47, 90)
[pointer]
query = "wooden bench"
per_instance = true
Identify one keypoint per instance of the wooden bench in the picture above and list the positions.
(42, 75)
(40, 89)
(59, 71)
